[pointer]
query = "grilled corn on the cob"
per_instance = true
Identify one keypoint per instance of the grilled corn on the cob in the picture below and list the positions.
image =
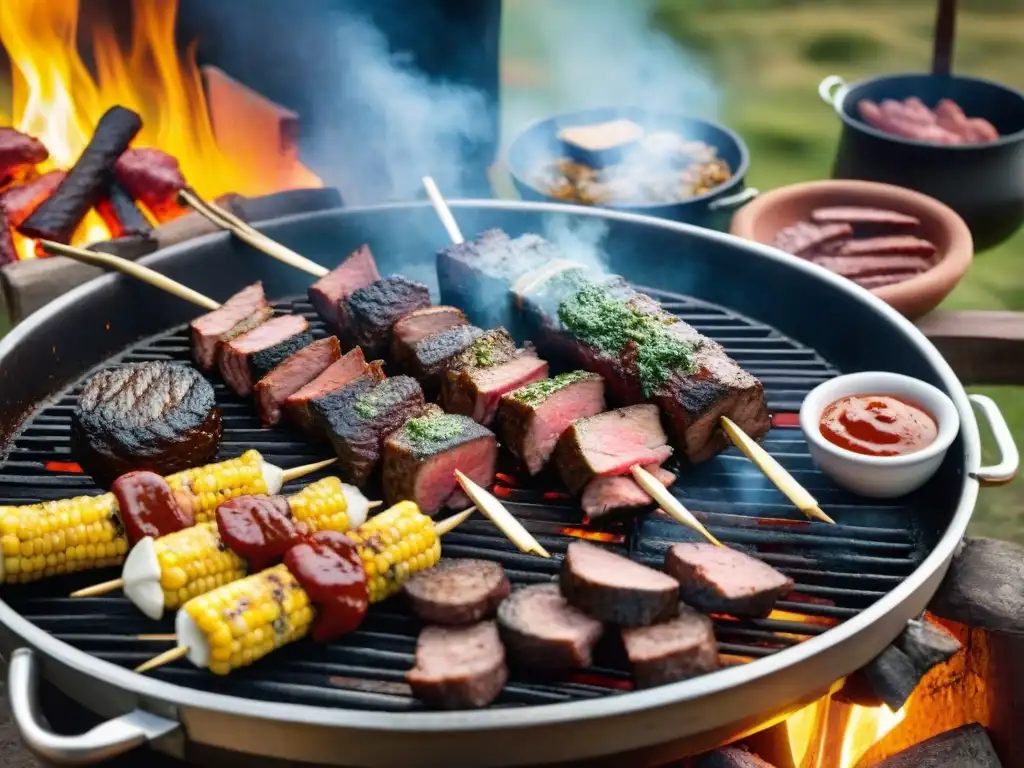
(241, 622)
(85, 533)
(167, 572)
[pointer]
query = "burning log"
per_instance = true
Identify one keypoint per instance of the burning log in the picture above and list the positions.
(965, 747)
(122, 217)
(730, 757)
(87, 182)
(19, 151)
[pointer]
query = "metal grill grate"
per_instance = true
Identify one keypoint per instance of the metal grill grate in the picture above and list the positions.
(839, 570)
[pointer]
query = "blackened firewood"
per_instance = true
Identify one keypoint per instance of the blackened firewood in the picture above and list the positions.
(965, 747)
(927, 645)
(87, 182)
(892, 677)
(730, 757)
(119, 212)
(984, 587)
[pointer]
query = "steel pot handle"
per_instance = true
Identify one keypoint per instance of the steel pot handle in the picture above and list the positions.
(1009, 458)
(827, 89)
(734, 201)
(107, 740)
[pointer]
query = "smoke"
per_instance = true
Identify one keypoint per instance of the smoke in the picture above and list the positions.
(579, 240)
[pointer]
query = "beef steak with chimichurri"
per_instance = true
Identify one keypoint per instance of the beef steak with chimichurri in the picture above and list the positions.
(371, 312)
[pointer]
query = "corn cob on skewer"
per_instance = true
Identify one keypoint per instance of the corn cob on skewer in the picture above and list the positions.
(86, 532)
(239, 623)
(167, 572)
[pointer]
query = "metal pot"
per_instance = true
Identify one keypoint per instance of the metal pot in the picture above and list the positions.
(538, 144)
(984, 183)
(294, 707)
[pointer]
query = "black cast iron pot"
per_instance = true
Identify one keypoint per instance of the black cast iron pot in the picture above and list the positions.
(984, 183)
(538, 145)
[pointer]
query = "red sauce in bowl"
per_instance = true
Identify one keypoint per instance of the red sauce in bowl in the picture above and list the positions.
(878, 425)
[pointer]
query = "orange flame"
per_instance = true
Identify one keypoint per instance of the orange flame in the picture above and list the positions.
(833, 734)
(57, 100)
(583, 533)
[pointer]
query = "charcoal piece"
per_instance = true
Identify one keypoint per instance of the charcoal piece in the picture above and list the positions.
(965, 747)
(121, 215)
(984, 587)
(730, 757)
(87, 182)
(927, 645)
(8, 253)
(892, 677)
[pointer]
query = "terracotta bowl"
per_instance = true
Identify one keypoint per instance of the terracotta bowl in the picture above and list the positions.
(761, 219)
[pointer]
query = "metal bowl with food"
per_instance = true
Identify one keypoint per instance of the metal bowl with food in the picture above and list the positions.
(663, 164)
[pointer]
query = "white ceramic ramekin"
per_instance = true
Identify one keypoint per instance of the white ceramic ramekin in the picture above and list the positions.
(880, 477)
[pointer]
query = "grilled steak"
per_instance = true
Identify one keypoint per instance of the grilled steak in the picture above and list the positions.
(460, 388)
(644, 353)
(542, 631)
(328, 294)
(421, 457)
(418, 325)
(207, 331)
(359, 418)
(155, 416)
(458, 667)
(477, 391)
(430, 358)
(370, 312)
(294, 373)
(725, 580)
(610, 443)
(674, 650)
(614, 589)
(251, 356)
(457, 591)
(336, 376)
(496, 346)
(606, 495)
(532, 418)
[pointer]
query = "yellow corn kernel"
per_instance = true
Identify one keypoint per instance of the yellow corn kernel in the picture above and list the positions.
(245, 620)
(394, 545)
(321, 506)
(214, 484)
(194, 561)
(63, 536)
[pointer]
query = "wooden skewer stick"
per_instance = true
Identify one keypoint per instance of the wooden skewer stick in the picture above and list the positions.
(227, 220)
(669, 504)
(500, 516)
(168, 638)
(443, 211)
(145, 274)
(775, 472)
(167, 657)
(306, 469)
(99, 589)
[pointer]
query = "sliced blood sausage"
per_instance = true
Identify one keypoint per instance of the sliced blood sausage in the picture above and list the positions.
(859, 215)
(614, 589)
(674, 650)
(462, 591)
(804, 237)
(458, 667)
(542, 631)
(896, 245)
(725, 580)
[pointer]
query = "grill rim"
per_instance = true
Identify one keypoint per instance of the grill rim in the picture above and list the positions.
(915, 590)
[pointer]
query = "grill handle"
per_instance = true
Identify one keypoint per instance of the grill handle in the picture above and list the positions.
(105, 741)
(1009, 458)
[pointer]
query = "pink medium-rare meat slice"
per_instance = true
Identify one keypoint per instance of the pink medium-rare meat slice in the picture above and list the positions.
(610, 443)
(606, 495)
(208, 329)
(541, 631)
(338, 374)
(532, 418)
(21, 200)
(896, 245)
(290, 376)
(880, 281)
(421, 456)
(803, 237)
(328, 294)
(458, 667)
(725, 580)
(614, 589)
(237, 357)
(855, 267)
(457, 591)
(857, 216)
(477, 392)
(418, 325)
(677, 649)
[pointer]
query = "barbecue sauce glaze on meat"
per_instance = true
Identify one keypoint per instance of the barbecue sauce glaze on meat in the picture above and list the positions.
(878, 425)
(328, 567)
(259, 529)
(148, 506)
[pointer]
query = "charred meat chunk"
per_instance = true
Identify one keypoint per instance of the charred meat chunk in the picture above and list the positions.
(334, 378)
(247, 358)
(156, 416)
(418, 325)
(373, 310)
(294, 373)
(604, 496)
(22, 199)
(8, 253)
(458, 667)
(673, 650)
(430, 358)
(725, 580)
(614, 589)
(457, 591)
(358, 419)
(19, 151)
(328, 294)
(610, 444)
(249, 305)
(533, 417)
(420, 459)
(152, 177)
(541, 631)
(731, 757)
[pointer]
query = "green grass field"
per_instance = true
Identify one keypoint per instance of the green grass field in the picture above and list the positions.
(767, 58)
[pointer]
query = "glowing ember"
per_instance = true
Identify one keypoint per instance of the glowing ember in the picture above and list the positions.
(63, 466)
(582, 533)
(780, 615)
(786, 420)
(57, 100)
(500, 490)
(556, 496)
(581, 678)
(506, 479)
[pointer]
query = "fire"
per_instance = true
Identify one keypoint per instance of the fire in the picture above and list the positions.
(583, 533)
(866, 726)
(833, 734)
(57, 100)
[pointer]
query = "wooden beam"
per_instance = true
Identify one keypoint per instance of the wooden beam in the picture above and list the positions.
(982, 347)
